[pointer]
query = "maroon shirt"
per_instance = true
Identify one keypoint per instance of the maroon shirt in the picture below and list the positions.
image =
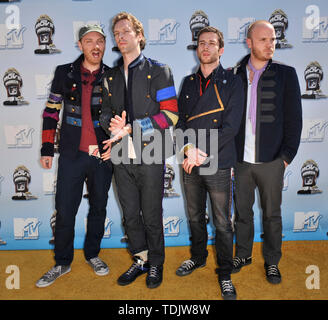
(88, 136)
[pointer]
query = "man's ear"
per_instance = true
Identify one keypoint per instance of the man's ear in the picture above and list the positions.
(249, 43)
(80, 45)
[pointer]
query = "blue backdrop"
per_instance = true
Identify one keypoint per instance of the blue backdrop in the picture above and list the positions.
(25, 224)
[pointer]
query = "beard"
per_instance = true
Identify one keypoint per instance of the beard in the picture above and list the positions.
(208, 59)
(262, 56)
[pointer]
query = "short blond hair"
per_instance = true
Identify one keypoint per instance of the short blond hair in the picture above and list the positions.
(137, 25)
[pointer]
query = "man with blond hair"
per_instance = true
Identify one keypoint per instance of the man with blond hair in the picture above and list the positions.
(139, 95)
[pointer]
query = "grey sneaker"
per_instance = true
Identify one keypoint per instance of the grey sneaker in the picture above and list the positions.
(99, 267)
(48, 278)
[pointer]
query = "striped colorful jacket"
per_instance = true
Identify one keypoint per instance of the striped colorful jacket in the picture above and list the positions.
(150, 100)
(66, 94)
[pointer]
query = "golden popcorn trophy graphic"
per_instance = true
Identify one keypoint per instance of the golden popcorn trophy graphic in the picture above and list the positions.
(22, 179)
(313, 75)
(13, 83)
(309, 173)
(197, 22)
(45, 29)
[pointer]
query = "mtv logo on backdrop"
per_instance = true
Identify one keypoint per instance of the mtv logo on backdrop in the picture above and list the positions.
(77, 25)
(237, 29)
(43, 85)
(162, 31)
(171, 226)
(11, 38)
(316, 32)
(19, 136)
(314, 130)
(26, 229)
(306, 221)
(107, 227)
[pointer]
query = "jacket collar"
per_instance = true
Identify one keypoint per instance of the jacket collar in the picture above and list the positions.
(133, 64)
(217, 73)
(243, 62)
(76, 69)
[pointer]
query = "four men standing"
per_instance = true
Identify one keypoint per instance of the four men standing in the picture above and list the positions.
(251, 114)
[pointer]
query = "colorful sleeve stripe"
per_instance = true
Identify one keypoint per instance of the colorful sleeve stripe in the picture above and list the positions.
(165, 93)
(146, 126)
(55, 97)
(160, 119)
(56, 106)
(51, 115)
(48, 136)
(170, 105)
(172, 116)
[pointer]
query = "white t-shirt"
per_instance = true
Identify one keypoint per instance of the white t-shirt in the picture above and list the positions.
(249, 149)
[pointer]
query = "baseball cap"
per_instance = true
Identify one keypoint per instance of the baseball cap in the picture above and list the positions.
(90, 28)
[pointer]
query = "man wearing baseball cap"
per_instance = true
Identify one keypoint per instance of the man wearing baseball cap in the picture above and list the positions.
(76, 88)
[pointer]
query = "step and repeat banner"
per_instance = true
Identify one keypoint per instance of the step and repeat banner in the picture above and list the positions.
(37, 35)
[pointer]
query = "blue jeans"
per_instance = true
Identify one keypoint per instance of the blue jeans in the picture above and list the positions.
(72, 174)
(219, 188)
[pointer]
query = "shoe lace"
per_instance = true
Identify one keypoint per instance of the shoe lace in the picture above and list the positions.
(227, 286)
(236, 261)
(272, 270)
(97, 262)
(153, 272)
(52, 272)
(188, 264)
(134, 266)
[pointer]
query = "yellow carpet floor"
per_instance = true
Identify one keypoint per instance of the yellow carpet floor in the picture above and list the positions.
(82, 284)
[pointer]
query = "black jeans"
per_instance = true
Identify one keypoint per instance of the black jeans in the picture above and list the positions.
(140, 190)
(71, 177)
(219, 188)
(268, 178)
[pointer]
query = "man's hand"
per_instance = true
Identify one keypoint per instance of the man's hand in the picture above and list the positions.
(46, 162)
(108, 143)
(195, 157)
(117, 123)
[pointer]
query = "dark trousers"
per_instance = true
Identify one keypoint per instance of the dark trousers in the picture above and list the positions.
(218, 186)
(140, 191)
(72, 174)
(268, 178)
